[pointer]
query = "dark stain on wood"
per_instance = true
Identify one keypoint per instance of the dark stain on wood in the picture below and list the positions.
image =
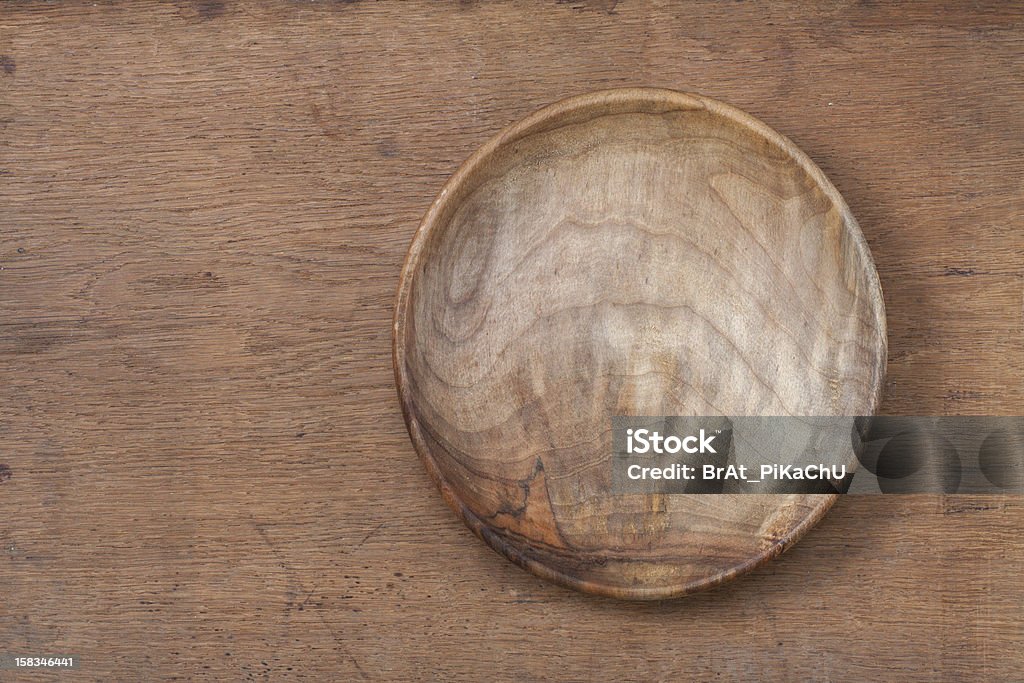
(959, 272)
(605, 6)
(388, 148)
(210, 9)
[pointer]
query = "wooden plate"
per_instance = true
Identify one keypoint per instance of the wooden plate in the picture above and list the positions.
(628, 252)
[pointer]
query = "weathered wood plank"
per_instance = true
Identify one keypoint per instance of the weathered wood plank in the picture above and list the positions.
(204, 208)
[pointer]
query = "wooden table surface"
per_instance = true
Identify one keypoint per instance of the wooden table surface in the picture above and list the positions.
(204, 207)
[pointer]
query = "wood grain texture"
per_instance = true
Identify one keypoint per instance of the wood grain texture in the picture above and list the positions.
(628, 252)
(194, 465)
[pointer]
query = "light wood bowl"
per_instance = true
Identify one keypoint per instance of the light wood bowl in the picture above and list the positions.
(628, 252)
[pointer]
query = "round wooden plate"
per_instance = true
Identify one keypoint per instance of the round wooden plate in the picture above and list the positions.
(628, 252)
